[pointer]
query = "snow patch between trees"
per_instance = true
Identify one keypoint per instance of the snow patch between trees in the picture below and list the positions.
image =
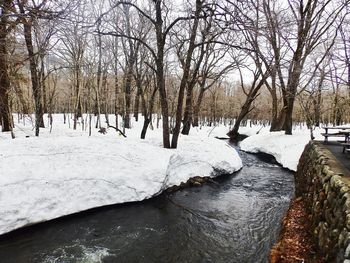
(49, 177)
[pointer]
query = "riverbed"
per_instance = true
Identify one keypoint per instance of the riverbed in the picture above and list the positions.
(234, 219)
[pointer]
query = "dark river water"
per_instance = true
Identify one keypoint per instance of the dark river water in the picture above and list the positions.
(235, 219)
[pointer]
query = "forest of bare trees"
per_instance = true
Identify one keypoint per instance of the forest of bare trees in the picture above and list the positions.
(187, 62)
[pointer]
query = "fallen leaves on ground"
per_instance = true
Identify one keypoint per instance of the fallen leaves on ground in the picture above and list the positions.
(296, 243)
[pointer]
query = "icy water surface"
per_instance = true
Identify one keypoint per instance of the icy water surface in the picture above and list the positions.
(236, 219)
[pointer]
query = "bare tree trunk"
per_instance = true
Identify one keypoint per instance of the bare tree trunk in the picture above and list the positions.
(160, 73)
(197, 108)
(42, 83)
(137, 102)
(147, 114)
(129, 69)
(246, 108)
(243, 113)
(336, 109)
(292, 85)
(274, 113)
(251, 95)
(273, 92)
(281, 120)
(288, 121)
(116, 84)
(97, 107)
(146, 120)
(5, 113)
(27, 25)
(78, 106)
(116, 102)
(188, 115)
(98, 82)
(163, 99)
(106, 92)
(186, 74)
(318, 102)
(127, 92)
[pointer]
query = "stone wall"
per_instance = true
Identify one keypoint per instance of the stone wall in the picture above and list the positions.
(321, 181)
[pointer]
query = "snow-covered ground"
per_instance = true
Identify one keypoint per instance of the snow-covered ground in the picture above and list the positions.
(66, 171)
(287, 149)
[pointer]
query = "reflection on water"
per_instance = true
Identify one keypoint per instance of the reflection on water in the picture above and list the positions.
(236, 219)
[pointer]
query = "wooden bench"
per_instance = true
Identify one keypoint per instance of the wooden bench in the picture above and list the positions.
(326, 135)
(340, 131)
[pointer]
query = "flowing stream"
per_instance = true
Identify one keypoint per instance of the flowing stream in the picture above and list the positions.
(235, 219)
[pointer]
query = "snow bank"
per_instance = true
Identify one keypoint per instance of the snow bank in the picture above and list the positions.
(256, 129)
(52, 176)
(208, 157)
(287, 149)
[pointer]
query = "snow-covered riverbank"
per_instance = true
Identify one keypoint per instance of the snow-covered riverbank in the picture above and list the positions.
(67, 171)
(286, 149)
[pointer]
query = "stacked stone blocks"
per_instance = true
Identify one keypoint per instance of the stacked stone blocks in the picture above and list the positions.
(325, 186)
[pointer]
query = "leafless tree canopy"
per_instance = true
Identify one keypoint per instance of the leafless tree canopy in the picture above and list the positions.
(188, 63)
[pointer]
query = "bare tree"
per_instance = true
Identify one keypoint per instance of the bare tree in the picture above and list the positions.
(186, 80)
(27, 20)
(291, 46)
(6, 26)
(212, 71)
(161, 32)
(251, 25)
(72, 49)
(313, 20)
(130, 58)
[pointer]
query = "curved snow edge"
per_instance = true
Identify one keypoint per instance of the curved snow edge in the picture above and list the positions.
(286, 149)
(29, 195)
